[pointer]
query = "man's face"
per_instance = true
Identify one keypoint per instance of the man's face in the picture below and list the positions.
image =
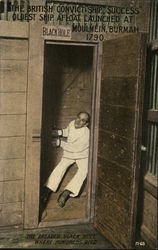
(81, 120)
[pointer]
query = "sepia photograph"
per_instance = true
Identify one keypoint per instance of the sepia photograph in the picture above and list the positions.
(78, 124)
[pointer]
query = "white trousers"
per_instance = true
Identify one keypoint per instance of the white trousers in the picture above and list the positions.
(76, 182)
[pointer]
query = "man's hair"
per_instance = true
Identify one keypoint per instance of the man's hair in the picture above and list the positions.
(88, 116)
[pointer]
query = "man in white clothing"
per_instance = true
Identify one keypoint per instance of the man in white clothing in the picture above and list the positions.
(75, 150)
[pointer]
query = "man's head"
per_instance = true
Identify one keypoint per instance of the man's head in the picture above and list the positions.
(82, 120)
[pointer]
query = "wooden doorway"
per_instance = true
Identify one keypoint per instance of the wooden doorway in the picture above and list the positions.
(68, 89)
(117, 101)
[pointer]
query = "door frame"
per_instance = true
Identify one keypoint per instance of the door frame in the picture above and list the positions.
(33, 140)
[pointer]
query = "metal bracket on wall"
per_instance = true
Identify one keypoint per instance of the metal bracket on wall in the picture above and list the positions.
(36, 137)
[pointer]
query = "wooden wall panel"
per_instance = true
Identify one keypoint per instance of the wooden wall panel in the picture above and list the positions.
(16, 49)
(13, 87)
(149, 220)
(12, 125)
(13, 191)
(13, 75)
(12, 169)
(1, 192)
(1, 173)
(12, 147)
(14, 29)
(11, 214)
(8, 105)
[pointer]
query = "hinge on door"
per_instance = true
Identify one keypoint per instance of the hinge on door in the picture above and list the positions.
(143, 148)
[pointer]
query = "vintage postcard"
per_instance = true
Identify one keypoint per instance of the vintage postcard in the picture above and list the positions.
(78, 124)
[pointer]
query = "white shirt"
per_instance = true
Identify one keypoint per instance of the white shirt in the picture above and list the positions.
(77, 145)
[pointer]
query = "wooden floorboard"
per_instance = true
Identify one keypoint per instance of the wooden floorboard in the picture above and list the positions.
(75, 208)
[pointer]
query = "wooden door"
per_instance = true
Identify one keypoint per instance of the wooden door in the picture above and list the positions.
(119, 138)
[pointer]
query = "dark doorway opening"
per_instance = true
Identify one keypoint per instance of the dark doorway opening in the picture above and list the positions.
(67, 90)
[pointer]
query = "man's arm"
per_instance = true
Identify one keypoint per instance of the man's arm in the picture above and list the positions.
(56, 134)
(60, 132)
(65, 132)
(77, 146)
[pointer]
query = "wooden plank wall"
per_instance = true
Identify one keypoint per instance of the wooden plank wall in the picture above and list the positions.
(13, 88)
